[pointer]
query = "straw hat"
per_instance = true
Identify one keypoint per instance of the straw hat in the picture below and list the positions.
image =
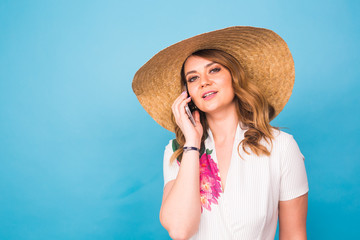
(264, 55)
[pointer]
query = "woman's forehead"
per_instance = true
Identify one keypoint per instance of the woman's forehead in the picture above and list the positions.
(196, 63)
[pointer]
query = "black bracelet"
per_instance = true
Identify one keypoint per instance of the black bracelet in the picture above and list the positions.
(186, 149)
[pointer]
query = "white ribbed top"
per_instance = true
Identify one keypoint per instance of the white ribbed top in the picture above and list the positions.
(248, 208)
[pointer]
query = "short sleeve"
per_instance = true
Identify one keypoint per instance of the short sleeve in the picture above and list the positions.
(294, 181)
(170, 170)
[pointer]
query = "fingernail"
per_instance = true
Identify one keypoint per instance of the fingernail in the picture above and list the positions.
(183, 92)
(189, 97)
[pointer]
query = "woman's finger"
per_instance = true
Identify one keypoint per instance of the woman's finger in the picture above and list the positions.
(181, 107)
(177, 101)
(177, 109)
(181, 97)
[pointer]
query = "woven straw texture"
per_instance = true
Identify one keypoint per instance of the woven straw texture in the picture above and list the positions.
(264, 55)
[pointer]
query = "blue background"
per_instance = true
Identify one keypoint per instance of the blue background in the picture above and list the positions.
(81, 159)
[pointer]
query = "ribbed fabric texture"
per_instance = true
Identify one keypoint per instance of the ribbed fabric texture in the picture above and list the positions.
(248, 207)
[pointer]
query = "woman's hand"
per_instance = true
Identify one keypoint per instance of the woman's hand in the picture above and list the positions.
(191, 133)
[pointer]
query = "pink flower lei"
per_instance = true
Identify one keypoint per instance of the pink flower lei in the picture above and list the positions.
(210, 182)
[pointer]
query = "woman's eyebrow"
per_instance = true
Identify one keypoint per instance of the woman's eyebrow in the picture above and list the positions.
(206, 66)
(193, 71)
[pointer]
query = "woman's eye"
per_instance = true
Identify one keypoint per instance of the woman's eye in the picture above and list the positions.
(192, 79)
(215, 70)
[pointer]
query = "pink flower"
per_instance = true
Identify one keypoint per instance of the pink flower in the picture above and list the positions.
(205, 184)
(204, 203)
(210, 182)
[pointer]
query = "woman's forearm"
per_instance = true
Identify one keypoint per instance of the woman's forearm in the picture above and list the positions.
(181, 208)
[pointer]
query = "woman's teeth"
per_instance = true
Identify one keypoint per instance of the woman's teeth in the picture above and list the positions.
(208, 94)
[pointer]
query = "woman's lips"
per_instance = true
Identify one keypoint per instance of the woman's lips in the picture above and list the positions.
(209, 95)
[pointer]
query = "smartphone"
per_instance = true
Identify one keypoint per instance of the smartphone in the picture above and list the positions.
(189, 108)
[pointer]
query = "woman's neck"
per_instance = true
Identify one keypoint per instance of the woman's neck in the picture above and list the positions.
(223, 124)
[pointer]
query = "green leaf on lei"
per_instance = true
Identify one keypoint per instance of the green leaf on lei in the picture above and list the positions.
(175, 145)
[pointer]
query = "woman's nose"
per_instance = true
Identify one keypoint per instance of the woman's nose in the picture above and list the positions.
(205, 80)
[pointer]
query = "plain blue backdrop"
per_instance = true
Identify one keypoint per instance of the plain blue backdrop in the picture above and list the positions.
(81, 159)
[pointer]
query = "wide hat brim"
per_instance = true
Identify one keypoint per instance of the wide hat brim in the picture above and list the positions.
(264, 55)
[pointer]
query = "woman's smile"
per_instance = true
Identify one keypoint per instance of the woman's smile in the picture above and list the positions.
(209, 95)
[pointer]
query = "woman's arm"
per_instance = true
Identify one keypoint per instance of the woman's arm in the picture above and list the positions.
(181, 208)
(292, 218)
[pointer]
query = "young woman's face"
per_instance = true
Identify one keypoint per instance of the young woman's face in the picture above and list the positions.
(209, 84)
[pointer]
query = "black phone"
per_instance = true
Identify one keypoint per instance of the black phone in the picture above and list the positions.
(189, 108)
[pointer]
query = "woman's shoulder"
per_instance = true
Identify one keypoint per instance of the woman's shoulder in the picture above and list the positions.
(281, 138)
(277, 133)
(285, 143)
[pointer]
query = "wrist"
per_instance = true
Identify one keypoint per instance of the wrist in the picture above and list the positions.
(193, 144)
(190, 148)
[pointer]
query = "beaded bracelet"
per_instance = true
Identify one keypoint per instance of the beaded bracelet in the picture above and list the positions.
(186, 149)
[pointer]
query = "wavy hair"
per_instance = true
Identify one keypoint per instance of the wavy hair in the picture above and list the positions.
(252, 108)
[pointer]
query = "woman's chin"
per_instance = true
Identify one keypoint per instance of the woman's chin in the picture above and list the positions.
(216, 108)
(209, 110)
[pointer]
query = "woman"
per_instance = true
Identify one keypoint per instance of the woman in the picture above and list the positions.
(249, 172)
